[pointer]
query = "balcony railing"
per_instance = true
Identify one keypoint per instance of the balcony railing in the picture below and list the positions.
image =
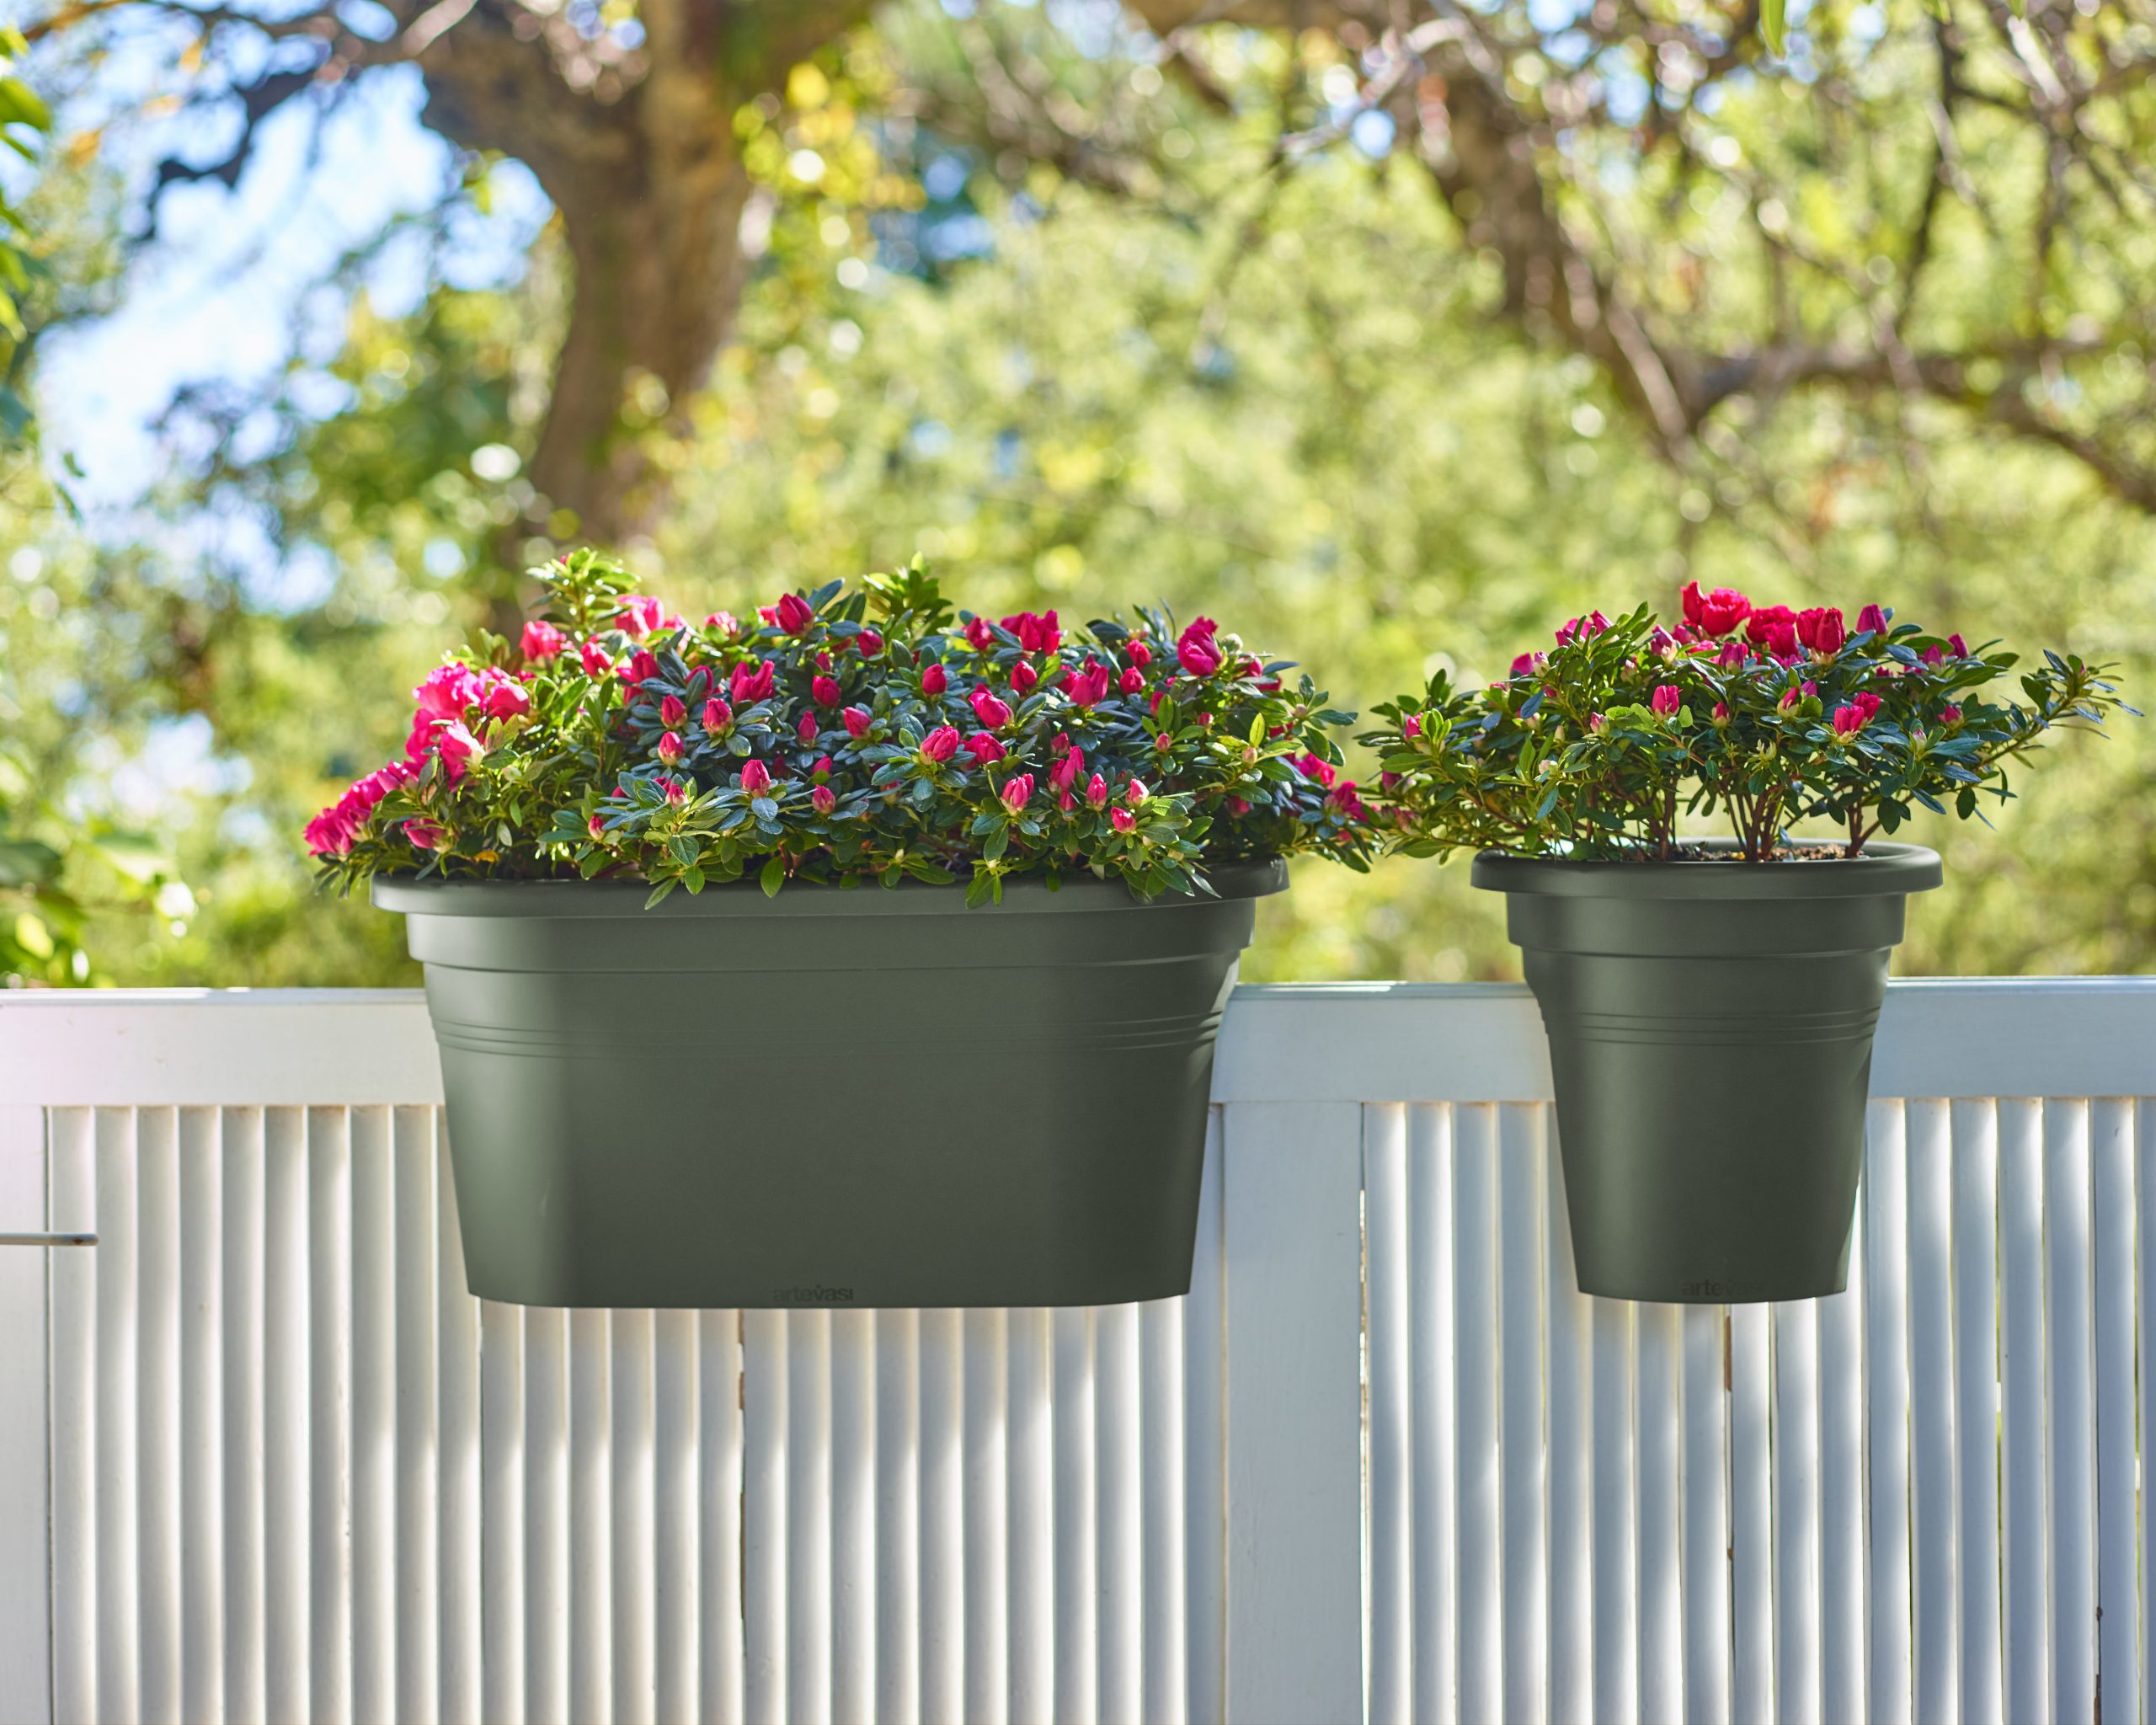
(261, 1456)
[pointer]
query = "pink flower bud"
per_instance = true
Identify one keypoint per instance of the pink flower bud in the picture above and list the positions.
(869, 641)
(1822, 630)
(639, 617)
(1197, 651)
(941, 743)
(980, 634)
(824, 692)
(1122, 820)
(1950, 715)
(1016, 790)
(1715, 613)
(597, 661)
(677, 793)
(1140, 653)
(1066, 770)
(1721, 712)
(1023, 676)
(990, 711)
(596, 827)
(1088, 687)
(1136, 793)
(1096, 792)
(1132, 680)
(1789, 698)
(1410, 727)
(1667, 699)
(793, 615)
(856, 721)
(1848, 721)
(670, 748)
(983, 748)
(823, 800)
(722, 622)
(505, 698)
(1871, 617)
(753, 682)
(717, 715)
(1960, 647)
(426, 836)
(1164, 742)
(934, 681)
(1597, 723)
(671, 712)
(755, 778)
(541, 641)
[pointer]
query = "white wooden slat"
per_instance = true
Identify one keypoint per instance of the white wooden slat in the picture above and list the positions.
(1292, 1225)
(633, 1557)
(2110, 1123)
(1119, 1516)
(157, 1405)
(503, 1489)
(986, 1516)
(720, 1387)
(2144, 1138)
(1931, 1404)
(1885, 1198)
(1655, 1455)
(201, 1416)
(1842, 1507)
(1797, 1508)
(677, 1515)
(329, 1413)
(1570, 1328)
(943, 1606)
(462, 1627)
(853, 1516)
(242, 1438)
(1751, 1517)
(373, 1418)
(1478, 1577)
(590, 1516)
(1391, 1655)
(1164, 1681)
(1706, 1575)
(418, 1566)
(1523, 1550)
(1974, 1127)
(548, 1535)
(287, 1447)
(1616, 1573)
(2069, 1350)
(2025, 1561)
(117, 1624)
(1431, 1425)
(1031, 1517)
(765, 1387)
(76, 1373)
(807, 1526)
(26, 1416)
(1076, 1584)
(1205, 1449)
(898, 1517)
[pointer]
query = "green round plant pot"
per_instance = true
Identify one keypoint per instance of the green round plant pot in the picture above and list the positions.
(829, 1098)
(1711, 1027)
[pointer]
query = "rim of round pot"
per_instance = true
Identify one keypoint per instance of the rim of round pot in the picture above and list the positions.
(745, 898)
(1886, 868)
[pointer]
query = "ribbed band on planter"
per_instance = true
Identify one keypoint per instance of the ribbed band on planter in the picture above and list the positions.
(831, 1098)
(1710, 1027)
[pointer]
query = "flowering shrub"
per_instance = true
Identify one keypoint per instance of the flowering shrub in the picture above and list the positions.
(1766, 716)
(844, 736)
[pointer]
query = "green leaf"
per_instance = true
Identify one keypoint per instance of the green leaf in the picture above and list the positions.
(771, 878)
(1771, 24)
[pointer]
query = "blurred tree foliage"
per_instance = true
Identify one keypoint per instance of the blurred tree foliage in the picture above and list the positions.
(1092, 315)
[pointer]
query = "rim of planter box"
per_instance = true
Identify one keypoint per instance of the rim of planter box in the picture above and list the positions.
(1077, 893)
(1881, 867)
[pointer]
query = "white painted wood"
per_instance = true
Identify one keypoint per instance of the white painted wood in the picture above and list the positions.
(632, 1558)
(1751, 1513)
(241, 1460)
(1570, 1319)
(2025, 1565)
(26, 1569)
(1030, 1516)
(1705, 1577)
(1931, 1403)
(720, 1392)
(766, 1387)
(987, 1515)
(1431, 1427)
(373, 1417)
(1796, 1509)
(853, 1516)
(158, 1407)
(2145, 1325)
(1077, 1588)
(1885, 1199)
(1291, 1198)
(676, 1510)
(898, 1517)
(591, 1517)
(287, 1441)
(201, 1417)
(1205, 1446)
(547, 1533)
(1390, 1658)
(118, 1625)
(505, 1501)
(1522, 1482)
(1842, 1508)
(2110, 1123)
(460, 1445)
(943, 1496)
(418, 1566)
(1118, 1516)
(1974, 1126)
(1657, 1428)
(2069, 1350)
(77, 1371)
(1165, 1680)
(808, 1523)
(1480, 1580)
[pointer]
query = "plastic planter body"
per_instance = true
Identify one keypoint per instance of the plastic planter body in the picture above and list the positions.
(1711, 1027)
(829, 1098)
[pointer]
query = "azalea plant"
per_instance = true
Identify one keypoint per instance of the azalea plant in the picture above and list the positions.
(846, 735)
(1766, 716)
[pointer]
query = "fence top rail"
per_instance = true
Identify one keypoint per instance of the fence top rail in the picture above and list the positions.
(1282, 1041)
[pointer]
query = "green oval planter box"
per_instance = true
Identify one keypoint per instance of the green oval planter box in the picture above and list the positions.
(1710, 1027)
(829, 1098)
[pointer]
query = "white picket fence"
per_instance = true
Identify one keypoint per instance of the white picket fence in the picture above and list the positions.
(262, 1457)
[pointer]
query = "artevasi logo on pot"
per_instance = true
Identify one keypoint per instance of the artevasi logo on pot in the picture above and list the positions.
(812, 1293)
